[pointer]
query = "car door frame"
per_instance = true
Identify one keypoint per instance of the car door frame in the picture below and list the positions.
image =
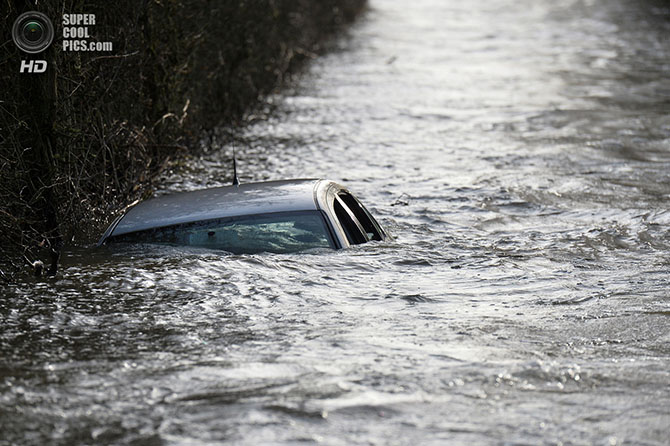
(326, 194)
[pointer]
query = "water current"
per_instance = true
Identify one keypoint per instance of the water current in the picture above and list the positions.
(519, 153)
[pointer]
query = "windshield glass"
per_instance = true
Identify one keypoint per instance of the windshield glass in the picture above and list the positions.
(282, 232)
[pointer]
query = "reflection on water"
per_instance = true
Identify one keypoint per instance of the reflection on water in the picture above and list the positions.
(519, 152)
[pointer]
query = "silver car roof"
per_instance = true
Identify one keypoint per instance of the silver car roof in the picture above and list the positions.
(220, 202)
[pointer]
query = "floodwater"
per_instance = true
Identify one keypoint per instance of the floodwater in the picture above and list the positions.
(518, 151)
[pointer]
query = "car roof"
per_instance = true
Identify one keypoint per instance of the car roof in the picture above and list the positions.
(220, 202)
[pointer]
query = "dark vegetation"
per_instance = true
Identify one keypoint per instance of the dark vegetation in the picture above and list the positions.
(87, 137)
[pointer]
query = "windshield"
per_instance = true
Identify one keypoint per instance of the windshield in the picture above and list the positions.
(282, 232)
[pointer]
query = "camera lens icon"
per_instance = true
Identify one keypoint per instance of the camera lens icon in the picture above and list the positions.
(32, 32)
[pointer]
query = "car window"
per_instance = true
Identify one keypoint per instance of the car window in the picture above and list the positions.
(282, 232)
(352, 228)
(367, 221)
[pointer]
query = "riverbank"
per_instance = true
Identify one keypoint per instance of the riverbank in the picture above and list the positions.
(87, 137)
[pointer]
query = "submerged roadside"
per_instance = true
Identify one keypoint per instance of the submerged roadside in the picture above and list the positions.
(82, 140)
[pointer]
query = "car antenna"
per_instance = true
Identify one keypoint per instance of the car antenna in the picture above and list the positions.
(236, 181)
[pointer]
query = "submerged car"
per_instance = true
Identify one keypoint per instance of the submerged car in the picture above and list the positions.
(274, 216)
